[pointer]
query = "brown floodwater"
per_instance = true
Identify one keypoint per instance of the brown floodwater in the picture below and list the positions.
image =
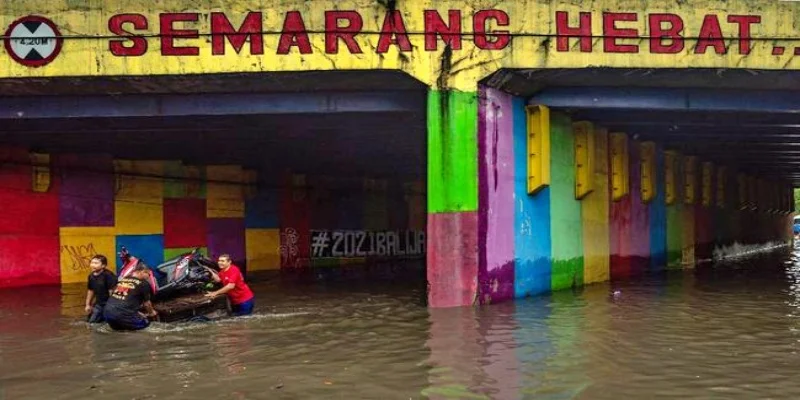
(728, 332)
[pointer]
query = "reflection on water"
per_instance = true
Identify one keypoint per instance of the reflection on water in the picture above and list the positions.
(724, 332)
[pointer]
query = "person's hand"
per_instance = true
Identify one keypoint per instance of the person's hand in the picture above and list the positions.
(214, 274)
(153, 314)
(211, 294)
(88, 309)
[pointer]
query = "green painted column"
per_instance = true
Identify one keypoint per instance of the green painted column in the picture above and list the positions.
(565, 211)
(452, 198)
(452, 151)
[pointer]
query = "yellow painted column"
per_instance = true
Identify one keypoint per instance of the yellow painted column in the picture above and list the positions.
(595, 211)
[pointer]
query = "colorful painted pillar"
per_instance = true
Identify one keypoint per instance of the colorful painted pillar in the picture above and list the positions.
(640, 214)
(533, 242)
(621, 214)
(674, 202)
(565, 211)
(595, 214)
(532, 225)
(658, 216)
(452, 255)
(496, 228)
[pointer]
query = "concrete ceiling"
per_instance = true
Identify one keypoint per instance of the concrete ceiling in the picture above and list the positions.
(344, 142)
(373, 145)
(745, 117)
(274, 82)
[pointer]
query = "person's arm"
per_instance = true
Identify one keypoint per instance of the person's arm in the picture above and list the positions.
(225, 289)
(148, 306)
(214, 275)
(89, 301)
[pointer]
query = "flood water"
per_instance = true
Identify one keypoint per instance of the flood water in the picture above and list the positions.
(730, 332)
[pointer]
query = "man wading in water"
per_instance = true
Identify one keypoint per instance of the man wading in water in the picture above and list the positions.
(242, 298)
(130, 295)
(99, 286)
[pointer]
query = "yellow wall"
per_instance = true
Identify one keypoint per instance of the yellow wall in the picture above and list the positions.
(537, 19)
(79, 245)
(225, 197)
(139, 199)
(263, 249)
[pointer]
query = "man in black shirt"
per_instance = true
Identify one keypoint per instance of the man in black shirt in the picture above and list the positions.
(99, 285)
(130, 296)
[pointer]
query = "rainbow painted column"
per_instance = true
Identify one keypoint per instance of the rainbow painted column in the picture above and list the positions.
(595, 208)
(658, 216)
(565, 210)
(492, 238)
(452, 198)
(530, 244)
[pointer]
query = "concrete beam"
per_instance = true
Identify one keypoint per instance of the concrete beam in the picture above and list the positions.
(669, 99)
(682, 118)
(176, 105)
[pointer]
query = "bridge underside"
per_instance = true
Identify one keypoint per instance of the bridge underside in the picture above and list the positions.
(588, 175)
(244, 164)
(345, 123)
(746, 117)
(345, 151)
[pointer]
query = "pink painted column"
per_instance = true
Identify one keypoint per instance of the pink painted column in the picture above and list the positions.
(452, 250)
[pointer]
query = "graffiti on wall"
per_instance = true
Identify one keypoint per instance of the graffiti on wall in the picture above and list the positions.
(289, 249)
(78, 257)
(347, 243)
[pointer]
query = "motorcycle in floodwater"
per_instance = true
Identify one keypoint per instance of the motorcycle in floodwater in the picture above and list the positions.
(185, 274)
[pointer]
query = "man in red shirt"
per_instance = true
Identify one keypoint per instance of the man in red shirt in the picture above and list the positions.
(242, 298)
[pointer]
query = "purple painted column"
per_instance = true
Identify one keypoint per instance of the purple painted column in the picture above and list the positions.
(495, 196)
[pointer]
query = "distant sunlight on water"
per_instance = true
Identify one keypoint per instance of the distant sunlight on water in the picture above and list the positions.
(727, 332)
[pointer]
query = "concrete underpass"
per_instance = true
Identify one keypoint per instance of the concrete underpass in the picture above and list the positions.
(635, 172)
(246, 165)
(596, 174)
(531, 154)
(429, 199)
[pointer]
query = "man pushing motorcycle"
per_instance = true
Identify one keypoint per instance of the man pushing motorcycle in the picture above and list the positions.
(240, 295)
(131, 294)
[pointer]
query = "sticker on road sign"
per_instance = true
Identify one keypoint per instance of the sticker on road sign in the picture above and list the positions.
(33, 41)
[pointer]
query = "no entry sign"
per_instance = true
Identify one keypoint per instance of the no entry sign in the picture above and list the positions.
(33, 41)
